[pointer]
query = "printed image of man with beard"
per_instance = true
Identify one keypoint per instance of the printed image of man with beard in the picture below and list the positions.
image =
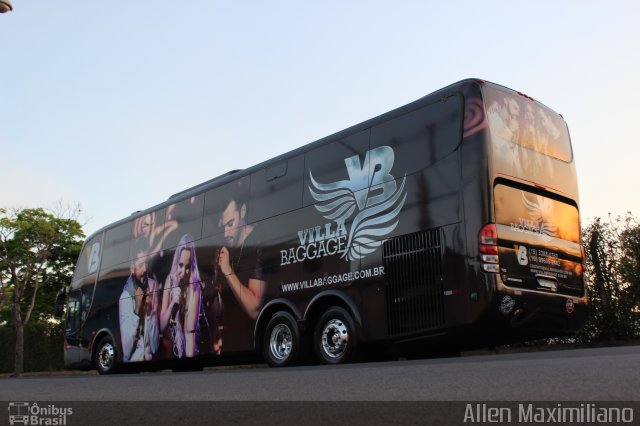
(138, 308)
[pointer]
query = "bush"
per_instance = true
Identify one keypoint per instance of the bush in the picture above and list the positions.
(42, 347)
(612, 277)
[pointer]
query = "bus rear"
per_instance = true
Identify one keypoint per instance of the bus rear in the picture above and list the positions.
(533, 247)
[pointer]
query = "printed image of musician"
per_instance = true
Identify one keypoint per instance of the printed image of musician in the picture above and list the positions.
(138, 309)
(241, 257)
(181, 301)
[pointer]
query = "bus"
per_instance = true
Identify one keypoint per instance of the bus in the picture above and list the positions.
(448, 223)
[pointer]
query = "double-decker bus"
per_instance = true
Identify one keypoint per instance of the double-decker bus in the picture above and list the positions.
(451, 222)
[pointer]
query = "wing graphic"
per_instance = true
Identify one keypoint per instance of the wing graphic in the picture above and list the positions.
(335, 200)
(373, 223)
(541, 211)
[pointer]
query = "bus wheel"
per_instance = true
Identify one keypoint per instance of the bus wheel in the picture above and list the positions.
(281, 340)
(105, 357)
(335, 340)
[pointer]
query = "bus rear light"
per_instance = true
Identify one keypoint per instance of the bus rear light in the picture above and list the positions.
(491, 268)
(489, 235)
(489, 248)
(490, 258)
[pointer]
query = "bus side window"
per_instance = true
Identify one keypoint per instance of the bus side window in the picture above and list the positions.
(276, 189)
(421, 137)
(73, 312)
(326, 164)
(187, 216)
(151, 226)
(216, 201)
(116, 245)
(89, 259)
(87, 295)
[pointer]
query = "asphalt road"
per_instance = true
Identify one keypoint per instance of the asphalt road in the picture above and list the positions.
(604, 374)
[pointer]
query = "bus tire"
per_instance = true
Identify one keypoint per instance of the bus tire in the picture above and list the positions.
(281, 340)
(335, 340)
(105, 357)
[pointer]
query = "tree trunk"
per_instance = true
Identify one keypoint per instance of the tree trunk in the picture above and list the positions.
(18, 362)
(18, 366)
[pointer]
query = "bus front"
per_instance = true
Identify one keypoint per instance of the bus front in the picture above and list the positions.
(532, 248)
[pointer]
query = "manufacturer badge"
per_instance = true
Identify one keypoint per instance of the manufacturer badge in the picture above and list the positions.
(506, 305)
(569, 306)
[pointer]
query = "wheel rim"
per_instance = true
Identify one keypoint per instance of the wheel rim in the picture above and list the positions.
(335, 338)
(106, 356)
(281, 342)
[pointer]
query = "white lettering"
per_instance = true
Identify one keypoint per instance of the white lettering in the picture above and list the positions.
(346, 278)
(315, 248)
(322, 252)
(303, 236)
(328, 232)
(486, 414)
(468, 414)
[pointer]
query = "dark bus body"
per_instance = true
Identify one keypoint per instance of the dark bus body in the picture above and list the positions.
(449, 223)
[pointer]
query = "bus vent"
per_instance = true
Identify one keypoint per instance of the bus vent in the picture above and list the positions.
(414, 295)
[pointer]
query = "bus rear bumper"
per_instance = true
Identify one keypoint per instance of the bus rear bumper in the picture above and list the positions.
(536, 314)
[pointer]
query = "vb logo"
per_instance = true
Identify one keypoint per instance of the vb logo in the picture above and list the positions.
(371, 199)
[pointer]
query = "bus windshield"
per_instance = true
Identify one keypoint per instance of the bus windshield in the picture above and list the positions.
(517, 119)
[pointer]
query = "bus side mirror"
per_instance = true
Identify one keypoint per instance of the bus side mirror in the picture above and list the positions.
(60, 299)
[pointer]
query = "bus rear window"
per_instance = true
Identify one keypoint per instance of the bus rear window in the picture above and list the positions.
(515, 119)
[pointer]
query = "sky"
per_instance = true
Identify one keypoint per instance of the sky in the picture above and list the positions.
(118, 106)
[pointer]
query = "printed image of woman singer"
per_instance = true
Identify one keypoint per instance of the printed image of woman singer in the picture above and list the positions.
(181, 300)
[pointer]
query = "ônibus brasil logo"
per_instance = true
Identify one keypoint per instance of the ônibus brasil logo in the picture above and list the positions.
(27, 413)
(371, 194)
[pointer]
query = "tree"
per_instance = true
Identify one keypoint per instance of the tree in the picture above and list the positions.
(630, 264)
(38, 251)
(613, 277)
